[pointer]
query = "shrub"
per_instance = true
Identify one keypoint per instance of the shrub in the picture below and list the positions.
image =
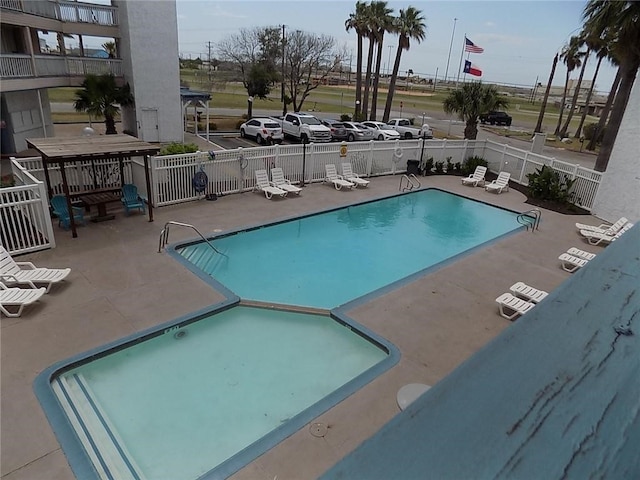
(590, 129)
(439, 167)
(547, 184)
(345, 117)
(428, 166)
(175, 148)
(469, 166)
(203, 126)
(449, 165)
(239, 124)
(458, 167)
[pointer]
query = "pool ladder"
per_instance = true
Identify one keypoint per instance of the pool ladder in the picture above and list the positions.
(164, 236)
(530, 218)
(409, 182)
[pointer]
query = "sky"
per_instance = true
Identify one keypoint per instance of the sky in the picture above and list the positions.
(520, 38)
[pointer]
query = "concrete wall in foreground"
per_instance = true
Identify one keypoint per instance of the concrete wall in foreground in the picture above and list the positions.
(619, 193)
(149, 46)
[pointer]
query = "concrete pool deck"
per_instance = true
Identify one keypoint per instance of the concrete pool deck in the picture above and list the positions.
(119, 284)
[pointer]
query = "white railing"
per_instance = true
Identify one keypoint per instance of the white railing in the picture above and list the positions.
(233, 171)
(20, 66)
(24, 214)
(16, 66)
(66, 11)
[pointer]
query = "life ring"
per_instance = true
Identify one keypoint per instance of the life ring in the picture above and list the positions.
(397, 154)
(200, 181)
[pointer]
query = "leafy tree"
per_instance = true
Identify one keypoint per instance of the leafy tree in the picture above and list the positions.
(100, 96)
(620, 21)
(253, 51)
(469, 101)
(409, 26)
(358, 21)
(381, 22)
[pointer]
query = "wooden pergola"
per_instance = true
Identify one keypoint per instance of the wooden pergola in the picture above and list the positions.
(65, 150)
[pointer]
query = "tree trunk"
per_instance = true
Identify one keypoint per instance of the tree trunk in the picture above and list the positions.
(358, 78)
(471, 130)
(564, 99)
(574, 100)
(629, 69)
(376, 81)
(392, 84)
(588, 100)
(249, 109)
(546, 95)
(367, 80)
(110, 124)
(605, 112)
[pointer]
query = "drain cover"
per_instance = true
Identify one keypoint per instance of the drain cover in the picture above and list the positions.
(318, 429)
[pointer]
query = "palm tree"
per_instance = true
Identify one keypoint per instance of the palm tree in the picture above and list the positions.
(110, 48)
(409, 25)
(543, 107)
(358, 22)
(469, 101)
(570, 56)
(383, 22)
(620, 20)
(576, 90)
(371, 36)
(102, 97)
(601, 47)
(604, 115)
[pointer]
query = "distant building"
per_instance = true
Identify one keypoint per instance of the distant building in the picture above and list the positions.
(146, 38)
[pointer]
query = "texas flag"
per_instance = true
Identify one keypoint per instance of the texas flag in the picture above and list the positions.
(472, 69)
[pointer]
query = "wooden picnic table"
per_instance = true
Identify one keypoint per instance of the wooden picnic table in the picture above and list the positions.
(100, 200)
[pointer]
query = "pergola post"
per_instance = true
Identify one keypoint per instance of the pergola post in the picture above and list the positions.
(149, 192)
(65, 188)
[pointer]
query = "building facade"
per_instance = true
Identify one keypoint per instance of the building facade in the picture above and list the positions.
(52, 43)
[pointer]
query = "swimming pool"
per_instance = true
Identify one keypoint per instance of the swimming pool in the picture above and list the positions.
(203, 397)
(328, 259)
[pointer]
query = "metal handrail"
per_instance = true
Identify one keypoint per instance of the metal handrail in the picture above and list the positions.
(164, 236)
(412, 182)
(530, 218)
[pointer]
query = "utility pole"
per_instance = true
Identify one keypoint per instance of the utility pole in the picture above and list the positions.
(209, 61)
(450, 46)
(282, 99)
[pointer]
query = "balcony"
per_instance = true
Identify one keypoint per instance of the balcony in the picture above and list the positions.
(66, 11)
(17, 69)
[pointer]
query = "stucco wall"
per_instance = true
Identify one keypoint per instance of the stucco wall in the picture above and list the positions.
(25, 117)
(150, 36)
(619, 193)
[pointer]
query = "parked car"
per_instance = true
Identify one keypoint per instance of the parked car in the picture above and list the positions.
(496, 118)
(338, 131)
(382, 131)
(264, 130)
(426, 132)
(357, 132)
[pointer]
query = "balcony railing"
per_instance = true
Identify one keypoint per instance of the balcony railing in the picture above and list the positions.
(66, 11)
(20, 66)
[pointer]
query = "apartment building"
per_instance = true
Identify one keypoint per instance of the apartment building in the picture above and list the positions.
(55, 43)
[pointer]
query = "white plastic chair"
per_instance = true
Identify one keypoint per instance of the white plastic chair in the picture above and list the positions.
(476, 178)
(278, 180)
(18, 297)
(263, 185)
(14, 273)
(500, 184)
(349, 176)
(337, 180)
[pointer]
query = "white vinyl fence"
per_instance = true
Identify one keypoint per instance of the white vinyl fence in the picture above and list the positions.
(24, 214)
(233, 171)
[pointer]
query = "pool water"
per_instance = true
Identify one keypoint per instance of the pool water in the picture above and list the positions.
(331, 258)
(188, 400)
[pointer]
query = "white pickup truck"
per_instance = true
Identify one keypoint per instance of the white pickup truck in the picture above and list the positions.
(406, 130)
(305, 128)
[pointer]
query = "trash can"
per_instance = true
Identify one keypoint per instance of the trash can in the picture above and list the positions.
(413, 166)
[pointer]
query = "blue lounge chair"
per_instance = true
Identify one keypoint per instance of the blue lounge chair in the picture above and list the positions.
(60, 210)
(130, 198)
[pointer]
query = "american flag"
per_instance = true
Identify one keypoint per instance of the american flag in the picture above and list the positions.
(469, 46)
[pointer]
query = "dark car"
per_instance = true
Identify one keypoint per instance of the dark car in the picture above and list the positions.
(338, 131)
(496, 118)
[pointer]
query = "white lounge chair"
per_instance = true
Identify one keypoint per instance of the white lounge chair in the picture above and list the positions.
(337, 180)
(477, 178)
(349, 176)
(528, 293)
(571, 263)
(596, 238)
(511, 306)
(500, 184)
(14, 273)
(278, 180)
(263, 185)
(18, 297)
(576, 252)
(605, 227)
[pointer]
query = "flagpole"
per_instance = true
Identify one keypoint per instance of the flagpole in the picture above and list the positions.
(464, 41)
